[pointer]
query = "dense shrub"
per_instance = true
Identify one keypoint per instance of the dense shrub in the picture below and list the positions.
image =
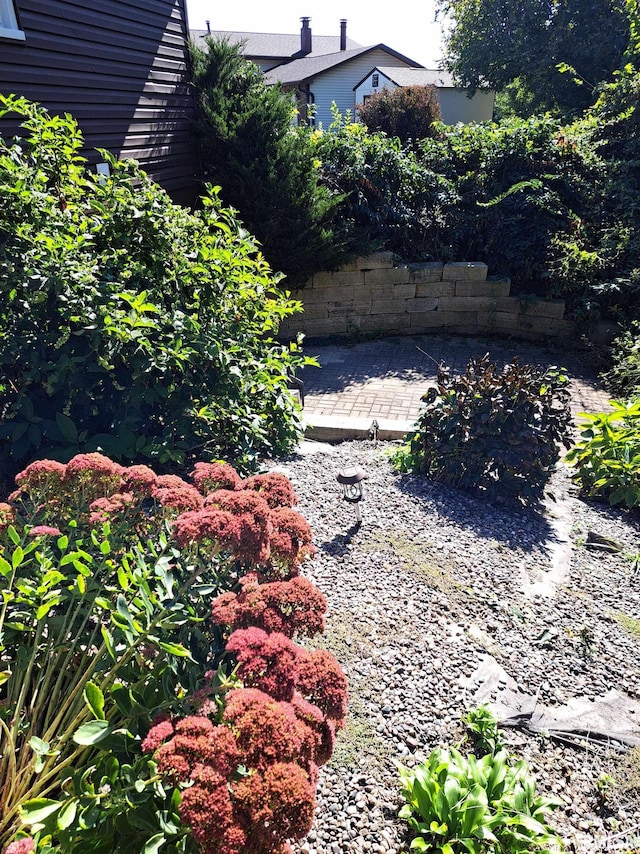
(493, 431)
(127, 323)
(408, 112)
(266, 166)
(512, 194)
(392, 198)
(123, 724)
(522, 187)
(607, 457)
(551, 206)
(623, 377)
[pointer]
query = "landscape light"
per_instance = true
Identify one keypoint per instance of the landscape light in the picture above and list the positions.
(351, 480)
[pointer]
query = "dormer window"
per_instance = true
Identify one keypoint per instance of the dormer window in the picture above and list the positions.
(375, 81)
(9, 28)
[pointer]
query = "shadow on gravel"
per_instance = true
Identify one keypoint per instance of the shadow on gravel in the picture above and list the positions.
(516, 527)
(339, 545)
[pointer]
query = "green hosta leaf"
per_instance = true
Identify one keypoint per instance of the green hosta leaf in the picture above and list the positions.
(92, 732)
(95, 700)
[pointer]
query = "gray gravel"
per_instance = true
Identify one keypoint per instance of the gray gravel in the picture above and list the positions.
(432, 582)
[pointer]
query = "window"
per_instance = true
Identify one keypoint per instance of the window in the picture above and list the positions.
(9, 28)
(375, 80)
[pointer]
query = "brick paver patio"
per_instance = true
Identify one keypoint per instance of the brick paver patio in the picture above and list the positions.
(386, 378)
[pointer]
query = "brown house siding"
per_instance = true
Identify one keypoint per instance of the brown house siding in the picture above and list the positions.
(121, 68)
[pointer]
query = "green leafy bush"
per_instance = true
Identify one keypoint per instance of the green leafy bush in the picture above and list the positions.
(461, 804)
(493, 431)
(392, 198)
(408, 112)
(127, 323)
(623, 377)
(125, 706)
(607, 458)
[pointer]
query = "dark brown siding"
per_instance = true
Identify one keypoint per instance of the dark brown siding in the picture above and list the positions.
(121, 68)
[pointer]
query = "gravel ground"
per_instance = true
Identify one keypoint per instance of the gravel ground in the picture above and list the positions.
(430, 583)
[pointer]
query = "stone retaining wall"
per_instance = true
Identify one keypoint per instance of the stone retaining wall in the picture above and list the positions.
(375, 294)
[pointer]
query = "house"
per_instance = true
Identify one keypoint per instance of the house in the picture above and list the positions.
(269, 50)
(320, 70)
(455, 103)
(120, 67)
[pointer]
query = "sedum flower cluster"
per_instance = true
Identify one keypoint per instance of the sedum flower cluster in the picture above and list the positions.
(246, 758)
(250, 522)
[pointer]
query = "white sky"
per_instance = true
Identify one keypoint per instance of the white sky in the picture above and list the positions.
(404, 25)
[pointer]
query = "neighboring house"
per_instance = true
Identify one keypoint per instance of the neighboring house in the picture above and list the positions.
(455, 103)
(320, 70)
(268, 50)
(120, 67)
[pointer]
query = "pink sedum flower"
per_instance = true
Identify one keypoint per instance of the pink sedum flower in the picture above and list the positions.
(44, 531)
(209, 477)
(26, 845)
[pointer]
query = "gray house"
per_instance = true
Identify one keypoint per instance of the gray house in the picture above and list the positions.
(320, 70)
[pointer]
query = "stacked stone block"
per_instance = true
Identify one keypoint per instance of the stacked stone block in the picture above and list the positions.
(376, 295)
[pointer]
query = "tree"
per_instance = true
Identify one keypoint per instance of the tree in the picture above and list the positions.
(267, 168)
(407, 112)
(544, 55)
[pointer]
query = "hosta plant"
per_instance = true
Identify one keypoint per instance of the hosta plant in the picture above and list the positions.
(606, 460)
(492, 430)
(482, 727)
(461, 804)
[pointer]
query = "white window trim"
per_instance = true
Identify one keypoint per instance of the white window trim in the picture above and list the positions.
(14, 35)
(12, 32)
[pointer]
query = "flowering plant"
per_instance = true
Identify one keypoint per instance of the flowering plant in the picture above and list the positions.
(119, 727)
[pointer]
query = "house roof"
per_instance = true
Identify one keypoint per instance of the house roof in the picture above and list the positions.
(414, 76)
(274, 46)
(310, 66)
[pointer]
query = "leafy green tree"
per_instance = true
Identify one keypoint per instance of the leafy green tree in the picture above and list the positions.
(544, 55)
(407, 112)
(266, 166)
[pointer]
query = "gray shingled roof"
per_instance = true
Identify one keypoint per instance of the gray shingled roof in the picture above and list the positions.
(418, 76)
(310, 66)
(275, 45)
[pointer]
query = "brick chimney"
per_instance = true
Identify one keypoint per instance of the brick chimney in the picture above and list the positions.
(343, 34)
(305, 37)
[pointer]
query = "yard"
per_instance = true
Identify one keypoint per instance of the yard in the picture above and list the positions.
(432, 585)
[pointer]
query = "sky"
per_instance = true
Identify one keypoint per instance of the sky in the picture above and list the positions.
(404, 25)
